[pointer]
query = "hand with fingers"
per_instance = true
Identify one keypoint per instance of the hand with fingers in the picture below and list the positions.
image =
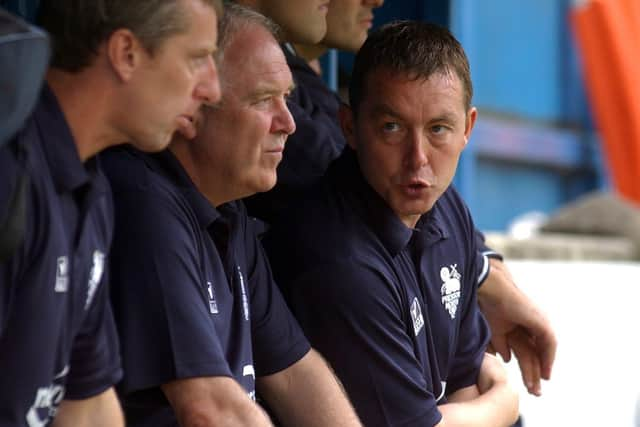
(518, 326)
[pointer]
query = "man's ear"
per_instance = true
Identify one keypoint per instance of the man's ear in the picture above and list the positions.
(470, 121)
(124, 53)
(347, 123)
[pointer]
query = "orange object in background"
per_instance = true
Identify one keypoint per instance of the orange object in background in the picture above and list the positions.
(608, 36)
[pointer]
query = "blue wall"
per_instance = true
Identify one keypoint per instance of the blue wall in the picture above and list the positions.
(533, 148)
(517, 56)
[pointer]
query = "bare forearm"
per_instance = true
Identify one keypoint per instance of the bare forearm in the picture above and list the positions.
(213, 402)
(99, 411)
(498, 407)
(308, 394)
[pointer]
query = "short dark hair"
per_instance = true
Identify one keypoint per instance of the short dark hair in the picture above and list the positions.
(78, 27)
(416, 49)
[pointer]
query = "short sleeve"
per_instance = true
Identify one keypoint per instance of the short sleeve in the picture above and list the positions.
(95, 356)
(278, 340)
(352, 315)
(165, 328)
(483, 248)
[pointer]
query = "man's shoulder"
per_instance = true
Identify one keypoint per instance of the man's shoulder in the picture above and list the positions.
(322, 232)
(126, 169)
(146, 202)
(132, 178)
(320, 216)
(452, 212)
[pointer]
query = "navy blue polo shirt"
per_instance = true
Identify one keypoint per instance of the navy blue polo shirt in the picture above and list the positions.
(393, 310)
(192, 292)
(57, 335)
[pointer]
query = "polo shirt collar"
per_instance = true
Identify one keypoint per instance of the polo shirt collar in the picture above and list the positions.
(431, 226)
(294, 60)
(375, 211)
(168, 165)
(368, 204)
(67, 170)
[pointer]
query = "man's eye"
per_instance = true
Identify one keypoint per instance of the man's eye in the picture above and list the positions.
(262, 101)
(201, 60)
(391, 127)
(439, 129)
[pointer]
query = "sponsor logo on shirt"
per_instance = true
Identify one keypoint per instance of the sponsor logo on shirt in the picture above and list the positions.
(47, 400)
(450, 289)
(245, 301)
(416, 316)
(213, 305)
(62, 274)
(94, 276)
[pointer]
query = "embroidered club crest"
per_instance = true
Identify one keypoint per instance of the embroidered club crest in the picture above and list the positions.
(450, 289)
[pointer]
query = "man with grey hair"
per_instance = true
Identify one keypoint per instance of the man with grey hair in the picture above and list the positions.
(202, 323)
(121, 72)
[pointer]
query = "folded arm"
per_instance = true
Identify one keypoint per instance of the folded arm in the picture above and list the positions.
(213, 402)
(102, 410)
(307, 393)
(517, 325)
(491, 403)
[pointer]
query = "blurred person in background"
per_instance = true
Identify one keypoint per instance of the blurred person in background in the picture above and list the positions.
(121, 72)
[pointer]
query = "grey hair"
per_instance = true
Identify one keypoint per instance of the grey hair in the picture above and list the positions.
(237, 18)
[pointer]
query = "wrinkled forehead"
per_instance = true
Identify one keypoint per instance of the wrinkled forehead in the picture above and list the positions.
(252, 56)
(378, 76)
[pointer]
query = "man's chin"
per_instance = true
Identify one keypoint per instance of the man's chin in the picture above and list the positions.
(152, 145)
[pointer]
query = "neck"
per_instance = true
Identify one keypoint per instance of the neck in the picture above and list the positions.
(83, 104)
(310, 52)
(188, 156)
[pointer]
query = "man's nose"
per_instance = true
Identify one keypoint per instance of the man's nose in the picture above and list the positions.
(416, 156)
(208, 89)
(283, 120)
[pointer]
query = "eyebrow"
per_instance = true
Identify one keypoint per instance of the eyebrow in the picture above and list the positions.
(445, 117)
(262, 91)
(384, 109)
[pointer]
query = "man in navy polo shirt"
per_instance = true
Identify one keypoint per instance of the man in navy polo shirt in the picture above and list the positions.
(379, 263)
(201, 322)
(114, 78)
(516, 322)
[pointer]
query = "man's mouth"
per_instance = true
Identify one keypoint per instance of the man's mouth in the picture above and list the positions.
(186, 126)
